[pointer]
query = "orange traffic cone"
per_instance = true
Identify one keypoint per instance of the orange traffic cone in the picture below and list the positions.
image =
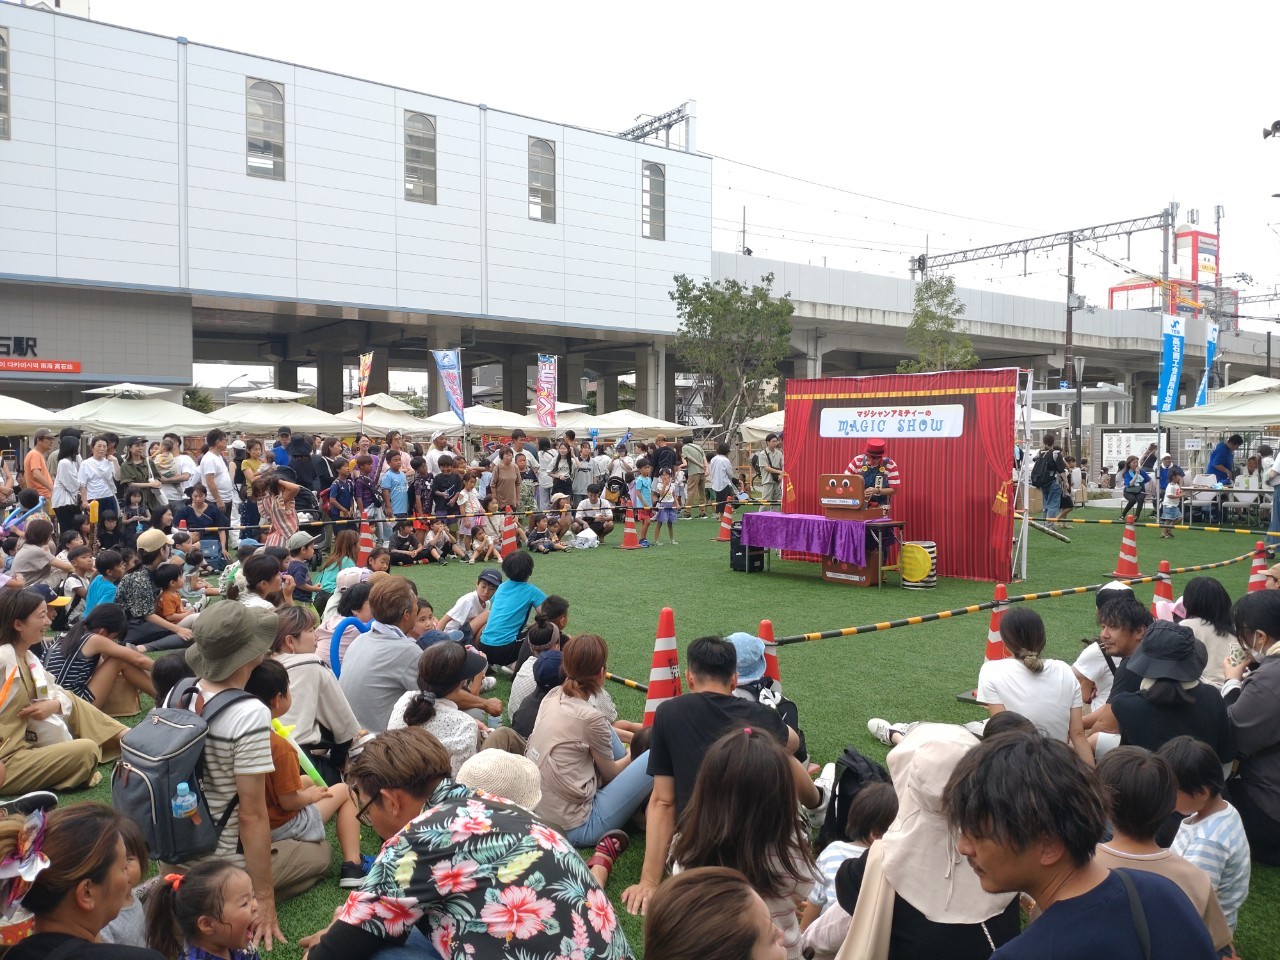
(1164, 589)
(366, 544)
(664, 675)
(1127, 565)
(630, 539)
(509, 543)
(995, 650)
(182, 524)
(770, 655)
(1258, 575)
(726, 524)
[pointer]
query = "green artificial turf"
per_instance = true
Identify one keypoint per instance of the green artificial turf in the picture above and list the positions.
(901, 674)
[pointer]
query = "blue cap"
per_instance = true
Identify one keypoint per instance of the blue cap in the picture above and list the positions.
(546, 669)
(750, 656)
(249, 542)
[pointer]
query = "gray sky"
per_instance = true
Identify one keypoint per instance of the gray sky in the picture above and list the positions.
(1000, 120)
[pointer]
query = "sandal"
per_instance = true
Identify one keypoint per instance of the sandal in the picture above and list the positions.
(609, 849)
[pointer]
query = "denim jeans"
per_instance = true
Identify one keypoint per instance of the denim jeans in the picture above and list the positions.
(1052, 500)
(614, 803)
(417, 947)
(1273, 530)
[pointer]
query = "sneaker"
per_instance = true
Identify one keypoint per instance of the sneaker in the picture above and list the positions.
(488, 684)
(657, 543)
(29, 803)
(675, 543)
(883, 731)
(645, 543)
(826, 779)
(352, 875)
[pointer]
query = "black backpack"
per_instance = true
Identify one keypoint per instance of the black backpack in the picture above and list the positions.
(165, 749)
(853, 772)
(1043, 472)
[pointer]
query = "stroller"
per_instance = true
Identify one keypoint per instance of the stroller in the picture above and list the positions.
(617, 493)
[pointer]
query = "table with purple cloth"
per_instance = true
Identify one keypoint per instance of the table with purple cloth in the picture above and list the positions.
(845, 540)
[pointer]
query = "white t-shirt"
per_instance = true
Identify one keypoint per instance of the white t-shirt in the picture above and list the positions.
(467, 606)
(432, 459)
(98, 477)
(600, 510)
(1173, 494)
(1092, 665)
(1044, 698)
(215, 464)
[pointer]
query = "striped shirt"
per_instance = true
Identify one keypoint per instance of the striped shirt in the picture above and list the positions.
(890, 468)
(830, 860)
(1217, 844)
(238, 745)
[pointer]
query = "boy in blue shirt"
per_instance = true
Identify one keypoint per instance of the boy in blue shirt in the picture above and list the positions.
(301, 549)
(644, 498)
(102, 589)
(342, 498)
(509, 610)
(395, 487)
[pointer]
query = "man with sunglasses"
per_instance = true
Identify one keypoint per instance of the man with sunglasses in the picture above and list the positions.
(462, 872)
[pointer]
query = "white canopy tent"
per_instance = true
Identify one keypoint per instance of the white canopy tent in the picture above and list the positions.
(1249, 410)
(1038, 420)
(378, 421)
(1254, 384)
(18, 416)
(269, 393)
(146, 415)
(127, 389)
(383, 400)
(754, 431)
(482, 419)
(644, 427)
(266, 416)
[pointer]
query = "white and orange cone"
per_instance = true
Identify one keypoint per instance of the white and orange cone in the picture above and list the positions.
(509, 544)
(664, 674)
(366, 545)
(995, 649)
(630, 539)
(726, 524)
(771, 670)
(1258, 575)
(1164, 589)
(1127, 564)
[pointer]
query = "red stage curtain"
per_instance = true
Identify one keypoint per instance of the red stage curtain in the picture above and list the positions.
(948, 483)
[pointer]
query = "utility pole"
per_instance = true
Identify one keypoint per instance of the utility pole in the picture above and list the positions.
(1068, 365)
(744, 228)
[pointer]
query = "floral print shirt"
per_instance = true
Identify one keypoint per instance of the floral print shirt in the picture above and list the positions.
(482, 880)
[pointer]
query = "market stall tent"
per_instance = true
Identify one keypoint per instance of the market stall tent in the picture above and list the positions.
(265, 417)
(1250, 410)
(754, 431)
(378, 421)
(1254, 384)
(644, 427)
(146, 415)
(18, 416)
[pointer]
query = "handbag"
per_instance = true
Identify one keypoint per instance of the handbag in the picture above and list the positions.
(1135, 487)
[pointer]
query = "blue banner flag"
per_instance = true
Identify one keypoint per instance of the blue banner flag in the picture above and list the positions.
(1210, 351)
(1174, 336)
(449, 365)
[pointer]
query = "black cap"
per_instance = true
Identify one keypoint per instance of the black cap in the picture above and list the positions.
(546, 669)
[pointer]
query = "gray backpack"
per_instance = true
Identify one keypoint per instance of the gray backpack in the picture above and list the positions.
(164, 750)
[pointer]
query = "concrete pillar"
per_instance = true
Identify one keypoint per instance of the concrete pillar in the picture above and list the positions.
(570, 369)
(329, 385)
(669, 388)
(468, 384)
(439, 337)
(380, 372)
(515, 382)
(286, 374)
(786, 370)
(606, 393)
(648, 381)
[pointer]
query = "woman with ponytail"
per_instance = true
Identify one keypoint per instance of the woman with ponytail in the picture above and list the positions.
(89, 657)
(77, 880)
(1043, 691)
(445, 670)
(576, 749)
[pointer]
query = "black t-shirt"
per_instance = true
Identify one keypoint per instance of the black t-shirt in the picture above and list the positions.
(915, 935)
(664, 458)
(41, 946)
(686, 727)
(1144, 724)
(444, 486)
(1124, 680)
(404, 542)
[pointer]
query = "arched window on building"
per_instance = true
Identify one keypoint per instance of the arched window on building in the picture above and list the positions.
(419, 157)
(653, 217)
(542, 180)
(264, 122)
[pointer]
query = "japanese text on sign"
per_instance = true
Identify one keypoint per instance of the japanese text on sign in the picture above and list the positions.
(942, 420)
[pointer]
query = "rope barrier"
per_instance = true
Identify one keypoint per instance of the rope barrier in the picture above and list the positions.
(991, 604)
(1149, 526)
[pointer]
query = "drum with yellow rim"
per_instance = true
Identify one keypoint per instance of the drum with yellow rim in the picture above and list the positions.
(919, 565)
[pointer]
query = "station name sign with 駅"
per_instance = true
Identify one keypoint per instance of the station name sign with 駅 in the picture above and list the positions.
(21, 355)
(940, 420)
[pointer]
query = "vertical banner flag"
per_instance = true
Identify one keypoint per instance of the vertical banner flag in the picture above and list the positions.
(1171, 363)
(366, 368)
(1210, 350)
(449, 366)
(547, 383)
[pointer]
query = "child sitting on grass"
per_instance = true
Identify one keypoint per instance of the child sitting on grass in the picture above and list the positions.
(297, 810)
(171, 605)
(483, 549)
(541, 539)
(195, 589)
(1212, 836)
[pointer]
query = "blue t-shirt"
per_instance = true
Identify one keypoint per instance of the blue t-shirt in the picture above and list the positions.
(508, 611)
(101, 590)
(300, 572)
(280, 454)
(398, 484)
(644, 492)
(1100, 924)
(343, 493)
(1222, 456)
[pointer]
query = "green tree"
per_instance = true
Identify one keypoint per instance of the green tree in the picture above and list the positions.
(935, 332)
(196, 399)
(731, 339)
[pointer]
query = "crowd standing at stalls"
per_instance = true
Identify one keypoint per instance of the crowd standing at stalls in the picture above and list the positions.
(1118, 801)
